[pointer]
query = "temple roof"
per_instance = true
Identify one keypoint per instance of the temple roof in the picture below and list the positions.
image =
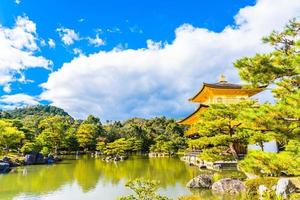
(193, 117)
(224, 85)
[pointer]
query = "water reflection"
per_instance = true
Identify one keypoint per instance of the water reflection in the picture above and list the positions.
(90, 178)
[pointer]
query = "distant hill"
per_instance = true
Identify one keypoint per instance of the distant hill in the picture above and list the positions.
(40, 110)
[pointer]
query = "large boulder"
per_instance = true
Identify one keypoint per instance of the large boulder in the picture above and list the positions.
(201, 181)
(50, 159)
(228, 185)
(30, 159)
(284, 187)
(4, 167)
(34, 158)
(13, 162)
(39, 159)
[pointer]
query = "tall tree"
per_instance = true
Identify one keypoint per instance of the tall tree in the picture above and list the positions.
(53, 132)
(87, 136)
(10, 136)
(281, 68)
(221, 131)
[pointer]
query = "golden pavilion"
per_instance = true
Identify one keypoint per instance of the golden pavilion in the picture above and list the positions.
(220, 92)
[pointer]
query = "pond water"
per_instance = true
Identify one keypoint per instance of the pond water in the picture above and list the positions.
(91, 178)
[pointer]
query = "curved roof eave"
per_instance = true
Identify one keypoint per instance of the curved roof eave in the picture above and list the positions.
(200, 106)
(223, 85)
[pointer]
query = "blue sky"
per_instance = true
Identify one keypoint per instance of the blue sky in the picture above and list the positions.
(119, 59)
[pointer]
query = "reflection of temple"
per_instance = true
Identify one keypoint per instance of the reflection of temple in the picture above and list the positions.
(220, 92)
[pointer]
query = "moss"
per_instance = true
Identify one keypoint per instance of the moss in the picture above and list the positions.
(228, 174)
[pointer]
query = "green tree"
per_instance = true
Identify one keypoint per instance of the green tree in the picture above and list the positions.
(29, 147)
(221, 130)
(53, 132)
(119, 147)
(10, 136)
(280, 69)
(281, 66)
(87, 136)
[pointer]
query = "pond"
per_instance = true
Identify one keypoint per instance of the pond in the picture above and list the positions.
(91, 178)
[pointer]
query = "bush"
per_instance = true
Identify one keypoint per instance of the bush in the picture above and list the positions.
(228, 174)
(216, 154)
(144, 190)
(45, 151)
(29, 147)
(253, 184)
(270, 164)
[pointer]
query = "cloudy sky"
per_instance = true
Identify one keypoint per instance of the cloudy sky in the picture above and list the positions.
(120, 59)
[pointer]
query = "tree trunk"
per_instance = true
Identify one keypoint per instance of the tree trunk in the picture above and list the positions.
(233, 151)
(56, 151)
(261, 144)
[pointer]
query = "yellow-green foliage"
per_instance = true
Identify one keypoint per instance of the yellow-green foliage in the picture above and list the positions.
(216, 154)
(271, 164)
(229, 174)
(144, 190)
(253, 184)
(118, 147)
(10, 136)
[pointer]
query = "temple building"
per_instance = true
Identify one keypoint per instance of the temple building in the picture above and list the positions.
(220, 92)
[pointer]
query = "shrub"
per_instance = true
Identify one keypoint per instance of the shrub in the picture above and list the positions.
(228, 174)
(30, 147)
(144, 190)
(215, 154)
(270, 164)
(45, 151)
(253, 184)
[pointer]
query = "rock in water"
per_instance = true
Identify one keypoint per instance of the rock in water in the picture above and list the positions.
(30, 159)
(34, 158)
(284, 187)
(228, 185)
(202, 181)
(39, 159)
(4, 167)
(49, 160)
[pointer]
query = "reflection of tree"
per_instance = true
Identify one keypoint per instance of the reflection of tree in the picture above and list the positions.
(168, 171)
(37, 180)
(86, 174)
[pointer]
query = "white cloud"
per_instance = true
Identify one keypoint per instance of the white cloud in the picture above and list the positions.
(18, 1)
(68, 36)
(7, 88)
(77, 51)
(81, 20)
(51, 43)
(97, 41)
(18, 46)
(8, 102)
(158, 80)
